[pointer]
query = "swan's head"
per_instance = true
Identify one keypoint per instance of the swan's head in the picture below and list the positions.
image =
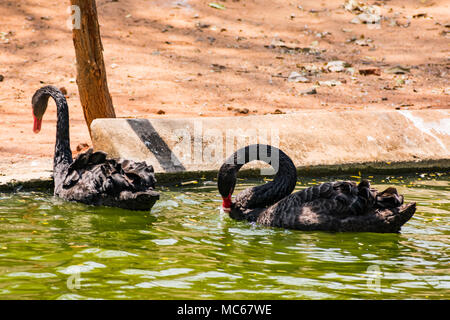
(39, 104)
(226, 181)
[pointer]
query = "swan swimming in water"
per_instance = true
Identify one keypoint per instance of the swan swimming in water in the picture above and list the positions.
(92, 178)
(331, 206)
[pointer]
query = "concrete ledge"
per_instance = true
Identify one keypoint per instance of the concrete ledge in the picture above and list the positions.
(320, 143)
(32, 174)
(185, 177)
(168, 178)
(42, 184)
(311, 139)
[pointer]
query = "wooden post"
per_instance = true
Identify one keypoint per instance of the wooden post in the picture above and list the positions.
(91, 74)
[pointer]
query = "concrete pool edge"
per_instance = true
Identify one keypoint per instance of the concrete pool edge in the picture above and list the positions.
(189, 177)
(321, 143)
(310, 138)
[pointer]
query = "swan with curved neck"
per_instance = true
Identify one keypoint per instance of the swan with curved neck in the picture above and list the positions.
(92, 178)
(260, 196)
(332, 206)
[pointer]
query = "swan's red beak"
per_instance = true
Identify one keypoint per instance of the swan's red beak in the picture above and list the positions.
(226, 204)
(37, 124)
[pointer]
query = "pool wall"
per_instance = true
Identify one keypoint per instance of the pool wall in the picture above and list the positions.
(319, 142)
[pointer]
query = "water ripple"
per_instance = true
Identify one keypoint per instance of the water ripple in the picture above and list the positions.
(186, 249)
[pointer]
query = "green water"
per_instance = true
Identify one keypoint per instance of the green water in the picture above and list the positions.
(187, 249)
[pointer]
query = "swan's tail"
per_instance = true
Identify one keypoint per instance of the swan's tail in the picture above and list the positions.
(399, 216)
(390, 206)
(389, 220)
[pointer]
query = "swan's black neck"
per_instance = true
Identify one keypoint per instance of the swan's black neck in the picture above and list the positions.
(63, 154)
(257, 197)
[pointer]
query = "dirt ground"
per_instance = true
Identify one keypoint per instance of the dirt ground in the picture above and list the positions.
(184, 58)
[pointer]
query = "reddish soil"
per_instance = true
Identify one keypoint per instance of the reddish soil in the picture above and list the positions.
(185, 58)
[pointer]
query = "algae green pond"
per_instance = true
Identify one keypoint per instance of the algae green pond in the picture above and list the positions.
(186, 249)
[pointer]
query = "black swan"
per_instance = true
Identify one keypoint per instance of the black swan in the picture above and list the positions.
(92, 178)
(333, 206)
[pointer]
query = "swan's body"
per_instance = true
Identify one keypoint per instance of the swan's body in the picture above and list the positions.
(334, 206)
(92, 178)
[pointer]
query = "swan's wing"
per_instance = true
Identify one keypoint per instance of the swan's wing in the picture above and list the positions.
(256, 197)
(341, 208)
(140, 174)
(109, 175)
(87, 158)
(93, 179)
(346, 196)
(321, 191)
(265, 195)
(342, 195)
(318, 214)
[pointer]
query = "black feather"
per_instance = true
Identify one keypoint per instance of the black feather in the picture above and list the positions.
(92, 178)
(331, 206)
